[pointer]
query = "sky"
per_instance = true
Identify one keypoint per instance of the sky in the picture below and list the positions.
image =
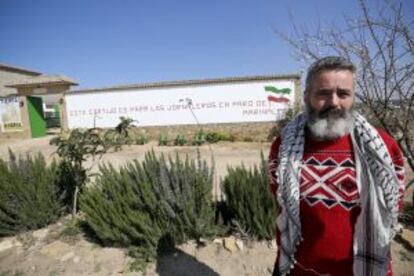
(102, 43)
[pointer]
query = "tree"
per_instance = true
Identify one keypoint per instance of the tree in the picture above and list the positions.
(381, 44)
(74, 149)
(79, 145)
(120, 135)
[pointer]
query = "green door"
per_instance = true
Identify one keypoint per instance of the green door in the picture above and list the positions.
(36, 118)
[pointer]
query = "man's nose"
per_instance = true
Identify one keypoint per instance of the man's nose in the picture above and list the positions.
(333, 100)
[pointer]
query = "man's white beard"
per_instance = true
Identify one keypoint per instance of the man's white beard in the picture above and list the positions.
(329, 124)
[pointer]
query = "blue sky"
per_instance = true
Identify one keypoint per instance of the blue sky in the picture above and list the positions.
(107, 42)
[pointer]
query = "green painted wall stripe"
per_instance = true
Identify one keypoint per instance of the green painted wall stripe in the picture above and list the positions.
(277, 90)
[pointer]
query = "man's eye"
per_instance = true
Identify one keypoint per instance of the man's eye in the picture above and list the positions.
(343, 94)
(323, 93)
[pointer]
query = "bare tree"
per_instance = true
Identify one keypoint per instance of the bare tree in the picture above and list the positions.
(381, 44)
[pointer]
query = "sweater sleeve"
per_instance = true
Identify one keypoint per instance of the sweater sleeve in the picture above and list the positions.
(398, 160)
(273, 164)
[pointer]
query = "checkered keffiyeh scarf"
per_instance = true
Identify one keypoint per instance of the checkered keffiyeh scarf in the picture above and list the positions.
(377, 184)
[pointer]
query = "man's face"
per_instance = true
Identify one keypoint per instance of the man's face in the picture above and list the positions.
(329, 102)
(331, 90)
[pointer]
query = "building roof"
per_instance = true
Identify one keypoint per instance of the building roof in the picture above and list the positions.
(15, 69)
(166, 84)
(43, 80)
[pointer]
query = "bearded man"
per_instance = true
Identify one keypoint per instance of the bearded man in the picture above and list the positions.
(338, 182)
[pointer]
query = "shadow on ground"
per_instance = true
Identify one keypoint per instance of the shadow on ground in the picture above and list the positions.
(172, 261)
(179, 263)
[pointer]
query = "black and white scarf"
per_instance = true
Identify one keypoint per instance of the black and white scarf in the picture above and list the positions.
(377, 185)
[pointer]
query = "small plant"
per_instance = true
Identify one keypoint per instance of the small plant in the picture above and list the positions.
(212, 137)
(141, 139)
(180, 140)
(124, 126)
(71, 229)
(163, 139)
(227, 137)
(120, 135)
(249, 200)
(199, 138)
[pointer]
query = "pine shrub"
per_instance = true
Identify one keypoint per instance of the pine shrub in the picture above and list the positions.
(141, 204)
(227, 137)
(29, 194)
(249, 200)
(180, 140)
(141, 139)
(163, 139)
(212, 137)
(199, 138)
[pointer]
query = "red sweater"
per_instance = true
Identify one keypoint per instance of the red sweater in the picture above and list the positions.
(330, 203)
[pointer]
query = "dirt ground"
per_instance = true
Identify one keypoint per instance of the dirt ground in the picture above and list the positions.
(48, 252)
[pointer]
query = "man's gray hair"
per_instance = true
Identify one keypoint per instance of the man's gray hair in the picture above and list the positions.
(328, 63)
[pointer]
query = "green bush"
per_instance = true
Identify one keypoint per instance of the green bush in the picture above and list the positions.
(150, 205)
(214, 137)
(227, 137)
(180, 140)
(163, 139)
(249, 200)
(141, 138)
(71, 229)
(29, 194)
(199, 138)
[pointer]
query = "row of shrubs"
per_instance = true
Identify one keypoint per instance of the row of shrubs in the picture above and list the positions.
(123, 134)
(165, 139)
(126, 133)
(198, 139)
(147, 207)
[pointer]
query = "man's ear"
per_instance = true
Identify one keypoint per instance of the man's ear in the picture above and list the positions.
(306, 96)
